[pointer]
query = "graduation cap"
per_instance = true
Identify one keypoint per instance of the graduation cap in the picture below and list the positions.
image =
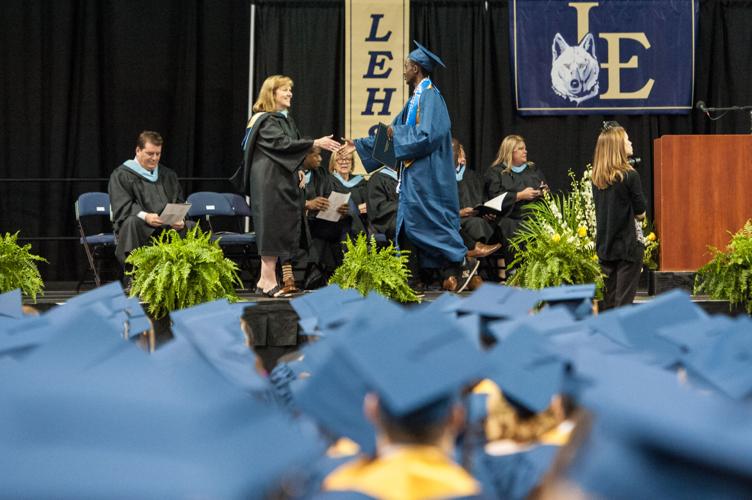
(312, 306)
(527, 369)
(577, 298)
(725, 361)
(11, 304)
(425, 58)
(110, 302)
(653, 438)
(415, 361)
(492, 301)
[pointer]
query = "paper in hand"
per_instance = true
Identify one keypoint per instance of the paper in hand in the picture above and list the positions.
(494, 205)
(174, 213)
(336, 200)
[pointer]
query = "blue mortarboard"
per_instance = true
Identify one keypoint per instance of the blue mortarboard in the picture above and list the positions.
(688, 335)
(549, 321)
(312, 306)
(123, 312)
(725, 361)
(526, 368)
(499, 301)
(425, 58)
(10, 304)
(577, 298)
(415, 360)
(653, 438)
(513, 475)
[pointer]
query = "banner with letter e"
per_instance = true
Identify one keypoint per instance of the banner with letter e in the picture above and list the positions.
(376, 44)
(603, 57)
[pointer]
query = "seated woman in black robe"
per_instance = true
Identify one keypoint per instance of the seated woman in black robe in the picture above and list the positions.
(512, 173)
(343, 181)
(273, 156)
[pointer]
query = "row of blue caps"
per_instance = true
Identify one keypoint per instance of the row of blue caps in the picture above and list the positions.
(78, 394)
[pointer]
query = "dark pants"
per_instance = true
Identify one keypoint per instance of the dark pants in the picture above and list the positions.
(621, 282)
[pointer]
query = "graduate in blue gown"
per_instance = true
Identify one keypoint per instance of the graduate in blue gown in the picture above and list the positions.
(428, 220)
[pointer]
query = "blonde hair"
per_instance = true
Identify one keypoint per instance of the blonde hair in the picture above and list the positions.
(265, 100)
(610, 157)
(333, 162)
(507, 147)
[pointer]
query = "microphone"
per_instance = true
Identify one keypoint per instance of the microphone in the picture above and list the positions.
(634, 161)
(701, 106)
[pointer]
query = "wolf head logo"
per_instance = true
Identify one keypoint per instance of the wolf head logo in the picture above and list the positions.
(574, 70)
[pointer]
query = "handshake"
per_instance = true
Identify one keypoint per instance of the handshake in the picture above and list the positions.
(342, 150)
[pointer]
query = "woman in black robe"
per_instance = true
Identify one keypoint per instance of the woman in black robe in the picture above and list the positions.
(512, 173)
(273, 156)
(343, 181)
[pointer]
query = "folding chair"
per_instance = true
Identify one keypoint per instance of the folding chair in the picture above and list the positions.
(219, 208)
(101, 246)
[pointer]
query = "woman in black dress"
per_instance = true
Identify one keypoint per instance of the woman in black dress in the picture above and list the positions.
(618, 198)
(273, 153)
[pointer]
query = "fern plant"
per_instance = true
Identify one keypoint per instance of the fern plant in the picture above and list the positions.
(367, 268)
(553, 247)
(728, 275)
(18, 267)
(175, 273)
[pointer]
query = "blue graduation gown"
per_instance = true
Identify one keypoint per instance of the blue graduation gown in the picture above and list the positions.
(428, 208)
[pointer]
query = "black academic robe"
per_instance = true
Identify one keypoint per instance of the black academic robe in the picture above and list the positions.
(382, 201)
(357, 195)
(473, 229)
(498, 182)
(274, 154)
(130, 194)
(325, 249)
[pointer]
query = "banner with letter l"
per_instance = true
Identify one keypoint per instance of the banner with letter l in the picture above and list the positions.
(376, 44)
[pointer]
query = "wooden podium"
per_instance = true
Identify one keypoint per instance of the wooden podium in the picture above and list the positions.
(702, 187)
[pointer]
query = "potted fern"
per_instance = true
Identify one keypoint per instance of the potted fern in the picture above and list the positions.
(366, 268)
(18, 267)
(175, 273)
(728, 275)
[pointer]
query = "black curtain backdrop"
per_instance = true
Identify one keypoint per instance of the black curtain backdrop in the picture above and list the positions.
(81, 78)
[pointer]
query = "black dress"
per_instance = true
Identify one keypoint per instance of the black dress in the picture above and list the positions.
(274, 154)
(498, 182)
(130, 194)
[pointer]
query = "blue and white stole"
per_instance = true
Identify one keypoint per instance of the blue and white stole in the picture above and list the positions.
(149, 175)
(352, 182)
(412, 109)
(459, 172)
(412, 117)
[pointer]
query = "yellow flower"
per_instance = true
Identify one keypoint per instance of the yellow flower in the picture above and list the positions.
(582, 231)
(594, 257)
(651, 237)
(556, 237)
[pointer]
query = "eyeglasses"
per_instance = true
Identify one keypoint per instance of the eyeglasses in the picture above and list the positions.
(609, 124)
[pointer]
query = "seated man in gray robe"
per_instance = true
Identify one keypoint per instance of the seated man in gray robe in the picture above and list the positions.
(139, 190)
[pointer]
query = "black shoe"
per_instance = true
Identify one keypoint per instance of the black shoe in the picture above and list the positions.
(469, 269)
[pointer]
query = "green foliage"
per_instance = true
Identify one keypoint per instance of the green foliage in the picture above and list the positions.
(18, 267)
(367, 268)
(175, 273)
(728, 276)
(553, 247)
(651, 242)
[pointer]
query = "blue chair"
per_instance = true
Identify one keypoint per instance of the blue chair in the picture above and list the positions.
(91, 207)
(217, 209)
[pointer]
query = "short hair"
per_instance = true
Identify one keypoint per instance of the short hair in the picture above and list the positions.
(333, 162)
(610, 157)
(456, 148)
(507, 147)
(265, 100)
(148, 136)
(421, 426)
(423, 70)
